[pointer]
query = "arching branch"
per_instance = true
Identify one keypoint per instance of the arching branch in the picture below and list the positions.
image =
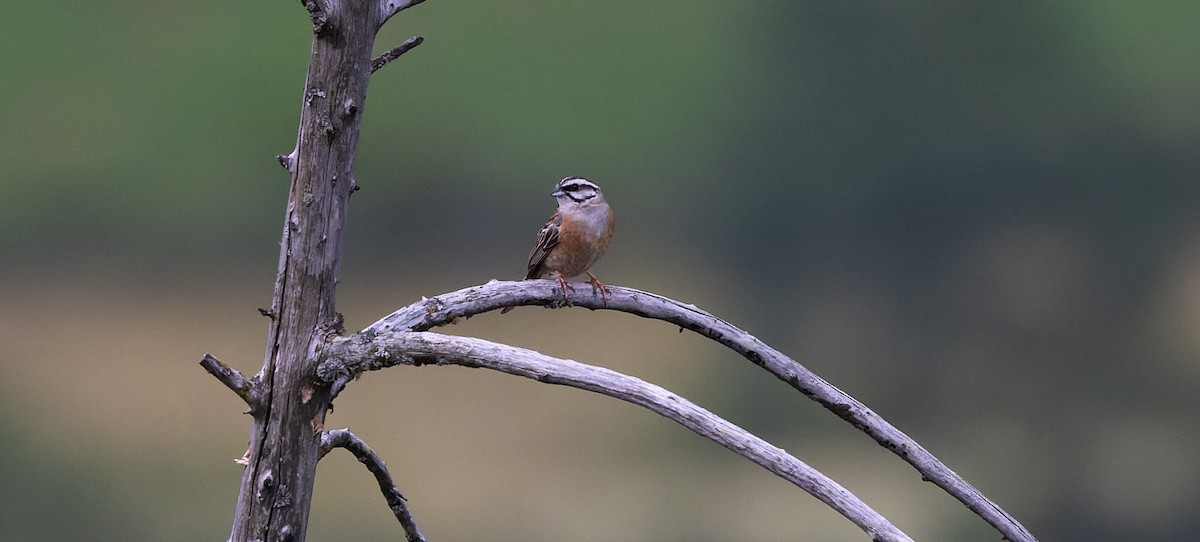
(343, 438)
(352, 356)
(450, 307)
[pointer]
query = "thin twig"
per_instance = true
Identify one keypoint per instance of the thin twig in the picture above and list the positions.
(231, 378)
(450, 307)
(343, 438)
(363, 353)
(395, 52)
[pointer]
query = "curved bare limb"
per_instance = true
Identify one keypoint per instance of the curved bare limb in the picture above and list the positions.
(467, 302)
(343, 438)
(359, 353)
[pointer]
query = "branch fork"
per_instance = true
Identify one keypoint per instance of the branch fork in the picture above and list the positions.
(401, 338)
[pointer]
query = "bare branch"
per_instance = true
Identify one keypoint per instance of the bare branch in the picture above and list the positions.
(391, 7)
(363, 353)
(343, 438)
(232, 379)
(395, 52)
(450, 307)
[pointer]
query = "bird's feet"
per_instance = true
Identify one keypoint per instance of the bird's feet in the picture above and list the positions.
(597, 285)
(562, 281)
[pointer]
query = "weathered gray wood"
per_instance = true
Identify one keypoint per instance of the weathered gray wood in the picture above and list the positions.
(364, 352)
(276, 488)
(395, 52)
(387, 8)
(232, 380)
(451, 307)
(343, 438)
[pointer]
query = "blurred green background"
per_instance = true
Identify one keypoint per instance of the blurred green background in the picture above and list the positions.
(980, 219)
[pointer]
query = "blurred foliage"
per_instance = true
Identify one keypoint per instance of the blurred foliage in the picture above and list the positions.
(980, 219)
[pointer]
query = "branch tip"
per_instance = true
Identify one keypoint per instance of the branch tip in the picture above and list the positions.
(231, 378)
(395, 52)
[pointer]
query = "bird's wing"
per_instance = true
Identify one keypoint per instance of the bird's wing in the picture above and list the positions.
(547, 239)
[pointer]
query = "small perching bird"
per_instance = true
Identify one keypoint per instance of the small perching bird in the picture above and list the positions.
(574, 237)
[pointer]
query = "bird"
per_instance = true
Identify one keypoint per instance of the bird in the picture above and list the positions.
(575, 236)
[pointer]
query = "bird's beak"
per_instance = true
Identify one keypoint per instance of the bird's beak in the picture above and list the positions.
(558, 193)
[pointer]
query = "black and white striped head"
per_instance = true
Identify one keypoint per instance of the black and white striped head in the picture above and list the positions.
(577, 190)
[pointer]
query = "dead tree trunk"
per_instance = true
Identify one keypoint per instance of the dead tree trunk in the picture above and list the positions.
(288, 410)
